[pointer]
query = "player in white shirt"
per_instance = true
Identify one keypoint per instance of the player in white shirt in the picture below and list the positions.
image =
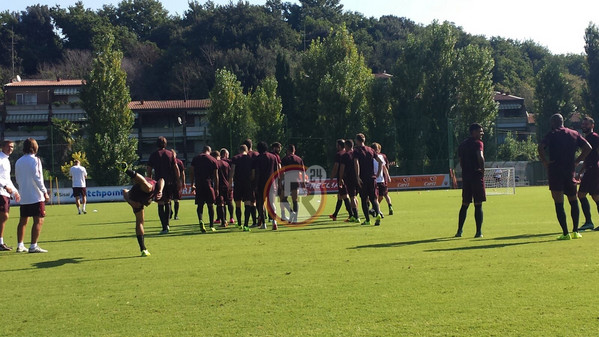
(7, 189)
(34, 195)
(78, 175)
(382, 179)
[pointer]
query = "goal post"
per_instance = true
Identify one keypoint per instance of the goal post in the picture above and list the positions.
(500, 180)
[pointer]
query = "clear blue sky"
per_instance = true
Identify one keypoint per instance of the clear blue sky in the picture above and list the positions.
(558, 26)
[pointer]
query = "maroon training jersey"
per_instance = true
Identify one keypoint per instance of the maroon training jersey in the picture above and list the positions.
(591, 161)
(365, 156)
(349, 173)
(223, 173)
(203, 168)
(243, 168)
(164, 165)
(562, 143)
(265, 165)
(468, 154)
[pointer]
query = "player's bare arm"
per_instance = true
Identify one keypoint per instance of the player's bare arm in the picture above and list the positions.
(357, 169)
(341, 173)
(193, 178)
(586, 149)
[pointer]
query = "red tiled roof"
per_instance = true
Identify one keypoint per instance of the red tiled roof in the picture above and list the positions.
(172, 104)
(45, 83)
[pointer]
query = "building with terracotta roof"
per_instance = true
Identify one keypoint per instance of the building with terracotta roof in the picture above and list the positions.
(30, 105)
(182, 122)
(512, 117)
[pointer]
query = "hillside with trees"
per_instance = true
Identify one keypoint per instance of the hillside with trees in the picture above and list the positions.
(306, 70)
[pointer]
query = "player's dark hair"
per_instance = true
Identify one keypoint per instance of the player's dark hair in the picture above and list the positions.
(206, 148)
(215, 154)
(243, 148)
(341, 142)
(7, 142)
(276, 144)
(30, 146)
(223, 151)
(161, 142)
(290, 148)
(589, 119)
(360, 137)
(262, 147)
(248, 143)
(474, 127)
(349, 143)
(376, 146)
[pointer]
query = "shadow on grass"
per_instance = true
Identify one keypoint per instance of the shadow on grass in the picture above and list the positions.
(492, 246)
(63, 262)
(399, 244)
(525, 236)
(114, 223)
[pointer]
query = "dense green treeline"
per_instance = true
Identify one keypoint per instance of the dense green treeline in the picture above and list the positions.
(305, 71)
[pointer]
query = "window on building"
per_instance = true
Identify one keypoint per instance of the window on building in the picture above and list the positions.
(26, 99)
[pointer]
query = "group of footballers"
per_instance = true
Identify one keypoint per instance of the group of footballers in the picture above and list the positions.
(252, 180)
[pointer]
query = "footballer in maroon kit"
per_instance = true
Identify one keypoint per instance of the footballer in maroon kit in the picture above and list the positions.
(472, 161)
(204, 179)
(562, 144)
(162, 161)
(364, 167)
(347, 179)
(239, 178)
(265, 167)
(341, 191)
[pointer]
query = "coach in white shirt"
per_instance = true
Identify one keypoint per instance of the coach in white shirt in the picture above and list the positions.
(34, 195)
(7, 189)
(78, 175)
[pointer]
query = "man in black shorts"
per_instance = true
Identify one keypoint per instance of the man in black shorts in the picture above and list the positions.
(589, 184)
(562, 144)
(204, 183)
(342, 190)
(239, 178)
(347, 179)
(162, 161)
(141, 194)
(364, 158)
(265, 167)
(472, 161)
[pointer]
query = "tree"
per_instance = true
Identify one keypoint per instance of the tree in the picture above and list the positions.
(230, 121)
(591, 48)
(333, 87)
(105, 98)
(39, 42)
(475, 91)
(554, 95)
(266, 106)
(513, 149)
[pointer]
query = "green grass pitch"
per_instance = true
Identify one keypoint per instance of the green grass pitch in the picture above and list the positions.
(408, 277)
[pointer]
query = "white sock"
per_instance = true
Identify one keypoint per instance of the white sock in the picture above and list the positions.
(33, 245)
(21, 245)
(1, 240)
(84, 207)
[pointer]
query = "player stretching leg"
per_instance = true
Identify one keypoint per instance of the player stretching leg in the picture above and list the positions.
(140, 195)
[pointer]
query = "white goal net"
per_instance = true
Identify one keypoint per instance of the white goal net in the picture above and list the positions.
(500, 180)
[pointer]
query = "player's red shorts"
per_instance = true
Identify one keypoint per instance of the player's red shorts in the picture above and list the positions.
(474, 189)
(205, 194)
(79, 192)
(342, 191)
(243, 192)
(36, 210)
(382, 189)
(590, 181)
(138, 195)
(178, 195)
(4, 204)
(368, 189)
(560, 180)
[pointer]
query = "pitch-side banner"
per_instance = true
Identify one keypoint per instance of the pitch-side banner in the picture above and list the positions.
(114, 193)
(428, 181)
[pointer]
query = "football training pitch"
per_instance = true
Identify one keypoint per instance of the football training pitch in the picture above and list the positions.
(408, 277)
